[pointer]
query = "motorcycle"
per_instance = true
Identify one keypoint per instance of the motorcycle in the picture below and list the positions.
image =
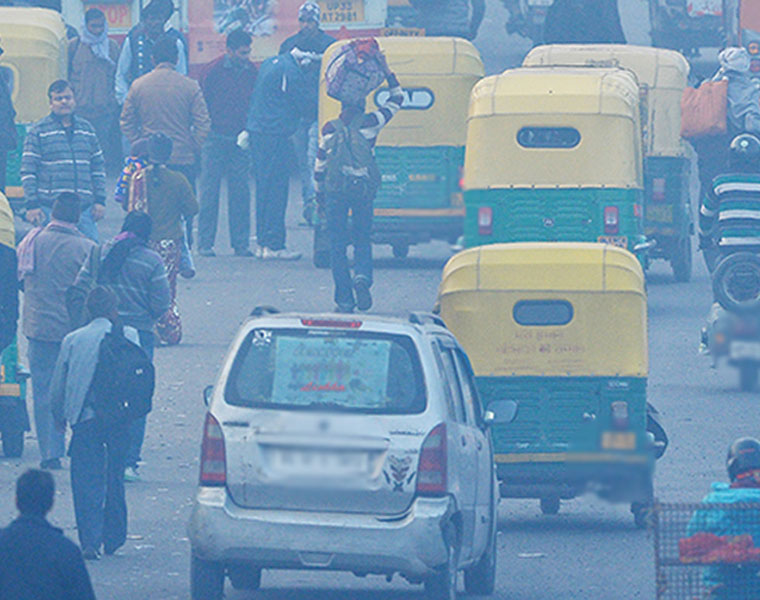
(733, 325)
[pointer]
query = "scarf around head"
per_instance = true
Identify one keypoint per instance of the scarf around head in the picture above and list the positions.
(748, 479)
(98, 44)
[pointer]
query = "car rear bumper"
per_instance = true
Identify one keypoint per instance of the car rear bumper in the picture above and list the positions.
(410, 543)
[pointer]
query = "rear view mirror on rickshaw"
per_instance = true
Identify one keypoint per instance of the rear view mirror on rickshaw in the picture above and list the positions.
(501, 412)
(208, 392)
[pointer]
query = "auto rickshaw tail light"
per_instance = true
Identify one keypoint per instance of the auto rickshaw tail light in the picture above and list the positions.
(213, 455)
(611, 220)
(431, 472)
(619, 412)
(485, 220)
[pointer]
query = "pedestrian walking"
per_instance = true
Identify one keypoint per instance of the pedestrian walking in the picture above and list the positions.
(227, 86)
(8, 136)
(169, 199)
(97, 449)
(49, 260)
(8, 270)
(583, 22)
(92, 69)
(62, 155)
(37, 562)
(278, 104)
(136, 274)
(312, 39)
(347, 179)
(456, 18)
(136, 58)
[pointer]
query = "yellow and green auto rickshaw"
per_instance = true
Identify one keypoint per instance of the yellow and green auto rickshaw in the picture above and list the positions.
(560, 329)
(14, 419)
(421, 151)
(662, 76)
(34, 40)
(554, 154)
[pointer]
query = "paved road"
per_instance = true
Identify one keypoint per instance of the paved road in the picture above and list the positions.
(590, 550)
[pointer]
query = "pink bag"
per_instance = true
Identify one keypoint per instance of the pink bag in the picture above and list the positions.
(355, 71)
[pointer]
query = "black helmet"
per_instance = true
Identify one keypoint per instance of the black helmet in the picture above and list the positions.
(743, 455)
(745, 152)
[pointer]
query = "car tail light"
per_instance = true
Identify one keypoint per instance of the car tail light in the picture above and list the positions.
(431, 473)
(485, 220)
(658, 189)
(619, 411)
(611, 219)
(213, 457)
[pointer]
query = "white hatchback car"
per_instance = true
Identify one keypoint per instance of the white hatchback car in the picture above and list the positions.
(350, 444)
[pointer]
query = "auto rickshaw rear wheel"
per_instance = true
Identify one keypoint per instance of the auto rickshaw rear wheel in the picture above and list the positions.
(681, 261)
(13, 441)
(550, 506)
(748, 372)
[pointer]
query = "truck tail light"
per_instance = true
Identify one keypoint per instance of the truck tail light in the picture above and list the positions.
(619, 411)
(611, 220)
(431, 473)
(485, 220)
(213, 456)
(658, 189)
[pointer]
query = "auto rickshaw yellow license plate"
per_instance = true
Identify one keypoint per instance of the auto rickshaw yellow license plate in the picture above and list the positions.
(342, 11)
(621, 241)
(618, 440)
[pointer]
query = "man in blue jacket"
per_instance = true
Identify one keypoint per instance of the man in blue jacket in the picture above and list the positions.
(280, 99)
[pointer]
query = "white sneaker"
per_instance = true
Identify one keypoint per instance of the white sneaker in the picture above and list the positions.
(131, 475)
(284, 254)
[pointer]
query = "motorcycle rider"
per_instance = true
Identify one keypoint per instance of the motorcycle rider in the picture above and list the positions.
(731, 581)
(729, 217)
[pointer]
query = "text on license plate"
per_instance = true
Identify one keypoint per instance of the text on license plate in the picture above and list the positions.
(342, 11)
(618, 440)
(318, 463)
(745, 350)
(621, 241)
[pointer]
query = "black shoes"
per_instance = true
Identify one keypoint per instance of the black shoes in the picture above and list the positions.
(245, 252)
(91, 554)
(363, 295)
(51, 464)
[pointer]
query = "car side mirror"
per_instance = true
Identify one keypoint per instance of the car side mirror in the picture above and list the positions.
(208, 392)
(503, 411)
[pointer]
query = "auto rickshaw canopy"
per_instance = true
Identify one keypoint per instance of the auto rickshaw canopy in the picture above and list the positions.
(662, 75)
(554, 127)
(548, 309)
(437, 73)
(34, 40)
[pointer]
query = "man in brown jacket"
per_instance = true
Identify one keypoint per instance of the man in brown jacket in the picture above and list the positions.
(164, 101)
(49, 260)
(92, 66)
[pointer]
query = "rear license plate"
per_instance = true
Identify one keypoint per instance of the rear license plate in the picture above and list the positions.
(745, 350)
(618, 440)
(621, 241)
(315, 463)
(342, 11)
(660, 214)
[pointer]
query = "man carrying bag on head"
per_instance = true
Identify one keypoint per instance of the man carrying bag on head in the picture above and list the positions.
(102, 381)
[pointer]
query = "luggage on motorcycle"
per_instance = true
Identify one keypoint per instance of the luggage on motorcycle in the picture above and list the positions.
(736, 282)
(355, 71)
(704, 109)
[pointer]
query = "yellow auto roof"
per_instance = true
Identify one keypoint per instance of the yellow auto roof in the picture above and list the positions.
(654, 67)
(424, 55)
(540, 266)
(556, 90)
(18, 21)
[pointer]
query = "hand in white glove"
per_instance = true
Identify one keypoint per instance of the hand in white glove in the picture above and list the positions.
(243, 140)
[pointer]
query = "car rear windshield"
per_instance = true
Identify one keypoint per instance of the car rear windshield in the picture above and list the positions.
(345, 371)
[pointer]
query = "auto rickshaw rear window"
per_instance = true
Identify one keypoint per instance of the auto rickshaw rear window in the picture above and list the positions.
(548, 137)
(542, 313)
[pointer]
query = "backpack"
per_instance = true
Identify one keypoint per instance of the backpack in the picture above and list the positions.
(124, 381)
(351, 168)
